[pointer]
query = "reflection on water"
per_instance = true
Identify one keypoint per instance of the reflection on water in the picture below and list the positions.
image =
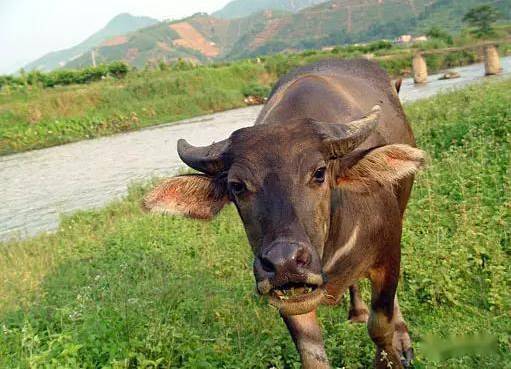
(40, 185)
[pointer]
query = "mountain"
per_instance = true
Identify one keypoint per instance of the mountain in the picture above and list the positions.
(119, 25)
(201, 37)
(349, 21)
(160, 42)
(244, 8)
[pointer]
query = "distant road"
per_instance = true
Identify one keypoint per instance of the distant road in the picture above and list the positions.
(40, 185)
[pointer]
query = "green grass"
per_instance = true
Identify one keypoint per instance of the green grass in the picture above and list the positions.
(38, 118)
(116, 288)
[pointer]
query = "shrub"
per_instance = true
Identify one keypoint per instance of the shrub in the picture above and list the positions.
(378, 45)
(257, 90)
(280, 64)
(64, 77)
(440, 34)
(309, 53)
(182, 65)
(118, 69)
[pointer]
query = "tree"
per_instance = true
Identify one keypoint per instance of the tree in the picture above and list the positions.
(482, 18)
(440, 34)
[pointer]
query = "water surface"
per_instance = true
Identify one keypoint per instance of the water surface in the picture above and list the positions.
(39, 186)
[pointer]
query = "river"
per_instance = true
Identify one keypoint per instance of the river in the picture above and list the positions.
(39, 186)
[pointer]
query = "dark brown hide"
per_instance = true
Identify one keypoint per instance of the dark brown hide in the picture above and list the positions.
(321, 183)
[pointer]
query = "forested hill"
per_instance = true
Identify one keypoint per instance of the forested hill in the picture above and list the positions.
(117, 26)
(204, 37)
(244, 8)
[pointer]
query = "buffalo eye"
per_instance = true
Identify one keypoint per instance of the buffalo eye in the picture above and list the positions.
(319, 175)
(237, 188)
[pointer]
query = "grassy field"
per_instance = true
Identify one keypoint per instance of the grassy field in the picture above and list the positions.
(36, 118)
(115, 288)
(32, 117)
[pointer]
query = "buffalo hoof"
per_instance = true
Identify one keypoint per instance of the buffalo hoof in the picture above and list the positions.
(403, 344)
(407, 358)
(358, 316)
(387, 359)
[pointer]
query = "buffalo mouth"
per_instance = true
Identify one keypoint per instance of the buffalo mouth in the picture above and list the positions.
(296, 298)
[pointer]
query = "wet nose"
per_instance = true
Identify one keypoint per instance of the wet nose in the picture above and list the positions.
(285, 260)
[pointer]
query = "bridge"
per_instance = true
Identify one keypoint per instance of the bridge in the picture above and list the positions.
(490, 52)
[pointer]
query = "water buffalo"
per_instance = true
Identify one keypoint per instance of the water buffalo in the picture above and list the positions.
(321, 183)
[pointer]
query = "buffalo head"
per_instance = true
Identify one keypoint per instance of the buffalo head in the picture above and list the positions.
(281, 178)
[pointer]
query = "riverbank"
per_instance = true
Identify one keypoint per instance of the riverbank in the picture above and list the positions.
(116, 288)
(91, 173)
(33, 118)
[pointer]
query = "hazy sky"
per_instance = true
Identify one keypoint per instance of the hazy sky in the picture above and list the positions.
(31, 28)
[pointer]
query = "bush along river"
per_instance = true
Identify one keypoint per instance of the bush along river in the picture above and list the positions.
(41, 185)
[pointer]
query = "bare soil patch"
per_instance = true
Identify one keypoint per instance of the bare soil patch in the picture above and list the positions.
(115, 41)
(193, 39)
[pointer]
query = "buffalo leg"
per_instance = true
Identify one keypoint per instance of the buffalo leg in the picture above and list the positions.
(381, 323)
(402, 341)
(358, 312)
(306, 334)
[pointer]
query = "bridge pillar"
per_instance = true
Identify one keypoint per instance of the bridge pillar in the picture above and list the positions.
(420, 69)
(491, 60)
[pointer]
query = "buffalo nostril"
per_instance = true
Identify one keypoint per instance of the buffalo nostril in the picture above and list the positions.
(303, 258)
(267, 265)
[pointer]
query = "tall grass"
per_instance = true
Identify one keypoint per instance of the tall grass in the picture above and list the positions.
(41, 118)
(32, 118)
(115, 288)
(64, 77)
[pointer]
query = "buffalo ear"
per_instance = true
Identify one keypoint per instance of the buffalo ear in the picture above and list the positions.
(196, 196)
(367, 170)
